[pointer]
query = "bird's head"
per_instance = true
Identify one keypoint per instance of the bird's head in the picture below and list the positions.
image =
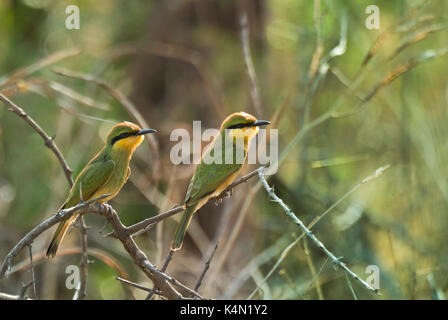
(242, 124)
(126, 135)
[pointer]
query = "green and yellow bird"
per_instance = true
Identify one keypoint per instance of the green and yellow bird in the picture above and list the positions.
(104, 174)
(210, 179)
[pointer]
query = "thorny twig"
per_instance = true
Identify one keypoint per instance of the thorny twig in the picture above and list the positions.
(286, 251)
(310, 235)
(136, 285)
(160, 279)
(164, 267)
(149, 222)
(67, 171)
(45, 225)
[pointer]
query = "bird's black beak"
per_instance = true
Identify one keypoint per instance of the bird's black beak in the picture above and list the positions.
(145, 131)
(259, 123)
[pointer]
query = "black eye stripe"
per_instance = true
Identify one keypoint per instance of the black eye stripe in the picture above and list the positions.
(239, 126)
(122, 136)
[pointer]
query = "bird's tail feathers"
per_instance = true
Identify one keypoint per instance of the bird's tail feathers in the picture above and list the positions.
(59, 235)
(182, 227)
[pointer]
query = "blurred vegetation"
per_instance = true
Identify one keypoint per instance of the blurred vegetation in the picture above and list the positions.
(180, 61)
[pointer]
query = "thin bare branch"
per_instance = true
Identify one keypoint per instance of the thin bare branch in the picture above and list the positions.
(206, 267)
(254, 92)
(136, 285)
(310, 235)
(45, 225)
(394, 74)
(33, 275)
(377, 173)
(6, 296)
(146, 224)
(84, 260)
(128, 106)
(164, 267)
(23, 290)
(49, 143)
(51, 59)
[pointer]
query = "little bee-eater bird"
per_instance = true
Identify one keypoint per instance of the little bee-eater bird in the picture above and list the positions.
(104, 174)
(210, 179)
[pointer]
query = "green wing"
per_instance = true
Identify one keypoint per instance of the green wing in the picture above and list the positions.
(207, 178)
(93, 177)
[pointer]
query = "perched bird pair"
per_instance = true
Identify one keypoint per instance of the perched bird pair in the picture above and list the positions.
(108, 171)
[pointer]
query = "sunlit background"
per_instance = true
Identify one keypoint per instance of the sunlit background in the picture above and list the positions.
(346, 100)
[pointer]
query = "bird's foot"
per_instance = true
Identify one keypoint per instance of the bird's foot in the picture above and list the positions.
(218, 201)
(108, 207)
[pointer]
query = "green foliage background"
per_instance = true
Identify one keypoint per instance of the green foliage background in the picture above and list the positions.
(396, 221)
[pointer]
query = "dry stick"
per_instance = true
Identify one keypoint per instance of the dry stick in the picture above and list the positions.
(206, 267)
(33, 275)
(97, 253)
(149, 222)
(84, 261)
(159, 278)
(49, 143)
(6, 296)
(23, 290)
(138, 256)
(146, 225)
(162, 280)
(20, 73)
(136, 285)
(310, 235)
(133, 284)
(67, 171)
(125, 102)
(310, 262)
(232, 237)
(45, 225)
(316, 277)
(350, 286)
(394, 74)
(165, 265)
(286, 251)
(48, 88)
(282, 255)
(254, 93)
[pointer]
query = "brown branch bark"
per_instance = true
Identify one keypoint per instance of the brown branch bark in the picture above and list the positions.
(163, 281)
(149, 222)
